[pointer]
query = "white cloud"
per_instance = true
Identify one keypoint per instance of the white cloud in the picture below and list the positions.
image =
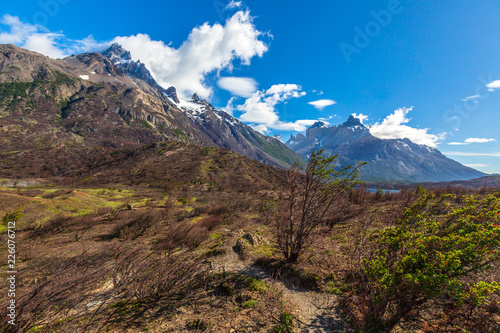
(229, 108)
(259, 108)
(209, 49)
(466, 99)
(459, 153)
(471, 140)
(234, 4)
(261, 128)
(18, 30)
(322, 103)
(478, 140)
(39, 39)
(361, 117)
(392, 127)
(476, 165)
(239, 86)
(296, 126)
(45, 44)
(494, 85)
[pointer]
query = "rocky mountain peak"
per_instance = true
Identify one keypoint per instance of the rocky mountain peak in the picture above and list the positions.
(172, 94)
(196, 99)
(398, 160)
(117, 53)
(300, 137)
(135, 70)
(319, 124)
(352, 122)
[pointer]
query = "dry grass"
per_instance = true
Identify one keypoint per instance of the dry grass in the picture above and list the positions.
(115, 245)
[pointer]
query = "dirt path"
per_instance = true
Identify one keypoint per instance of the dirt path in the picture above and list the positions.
(317, 312)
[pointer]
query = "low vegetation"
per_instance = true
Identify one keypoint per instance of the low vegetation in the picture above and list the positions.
(145, 244)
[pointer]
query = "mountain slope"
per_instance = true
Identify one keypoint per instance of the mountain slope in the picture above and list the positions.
(217, 128)
(395, 160)
(54, 113)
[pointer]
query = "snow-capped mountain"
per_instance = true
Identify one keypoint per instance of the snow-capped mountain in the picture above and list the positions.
(208, 125)
(91, 104)
(398, 160)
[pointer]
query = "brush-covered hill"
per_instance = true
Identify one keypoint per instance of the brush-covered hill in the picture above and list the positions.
(173, 165)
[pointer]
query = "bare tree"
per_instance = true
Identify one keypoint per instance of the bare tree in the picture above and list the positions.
(311, 195)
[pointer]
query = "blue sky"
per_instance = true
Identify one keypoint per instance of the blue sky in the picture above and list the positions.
(426, 70)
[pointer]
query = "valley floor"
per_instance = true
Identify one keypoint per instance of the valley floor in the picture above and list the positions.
(125, 258)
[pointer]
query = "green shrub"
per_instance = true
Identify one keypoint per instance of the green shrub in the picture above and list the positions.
(258, 285)
(11, 217)
(250, 303)
(285, 324)
(427, 255)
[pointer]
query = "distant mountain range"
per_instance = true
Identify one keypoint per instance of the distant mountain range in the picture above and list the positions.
(476, 183)
(394, 160)
(53, 113)
(61, 117)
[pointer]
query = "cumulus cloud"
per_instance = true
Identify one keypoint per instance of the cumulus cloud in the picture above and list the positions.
(493, 85)
(44, 44)
(296, 126)
(229, 108)
(472, 140)
(234, 4)
(19, 31)
(39, 39)
(260, 108)
(322, 103)
(393, 127)
(209, 49)
(260, 128)
(238, 86)
(361, 117)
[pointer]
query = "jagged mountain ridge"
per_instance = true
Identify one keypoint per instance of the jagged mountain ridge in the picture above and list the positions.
(53, 112)
(220, 128)
(394, 160)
